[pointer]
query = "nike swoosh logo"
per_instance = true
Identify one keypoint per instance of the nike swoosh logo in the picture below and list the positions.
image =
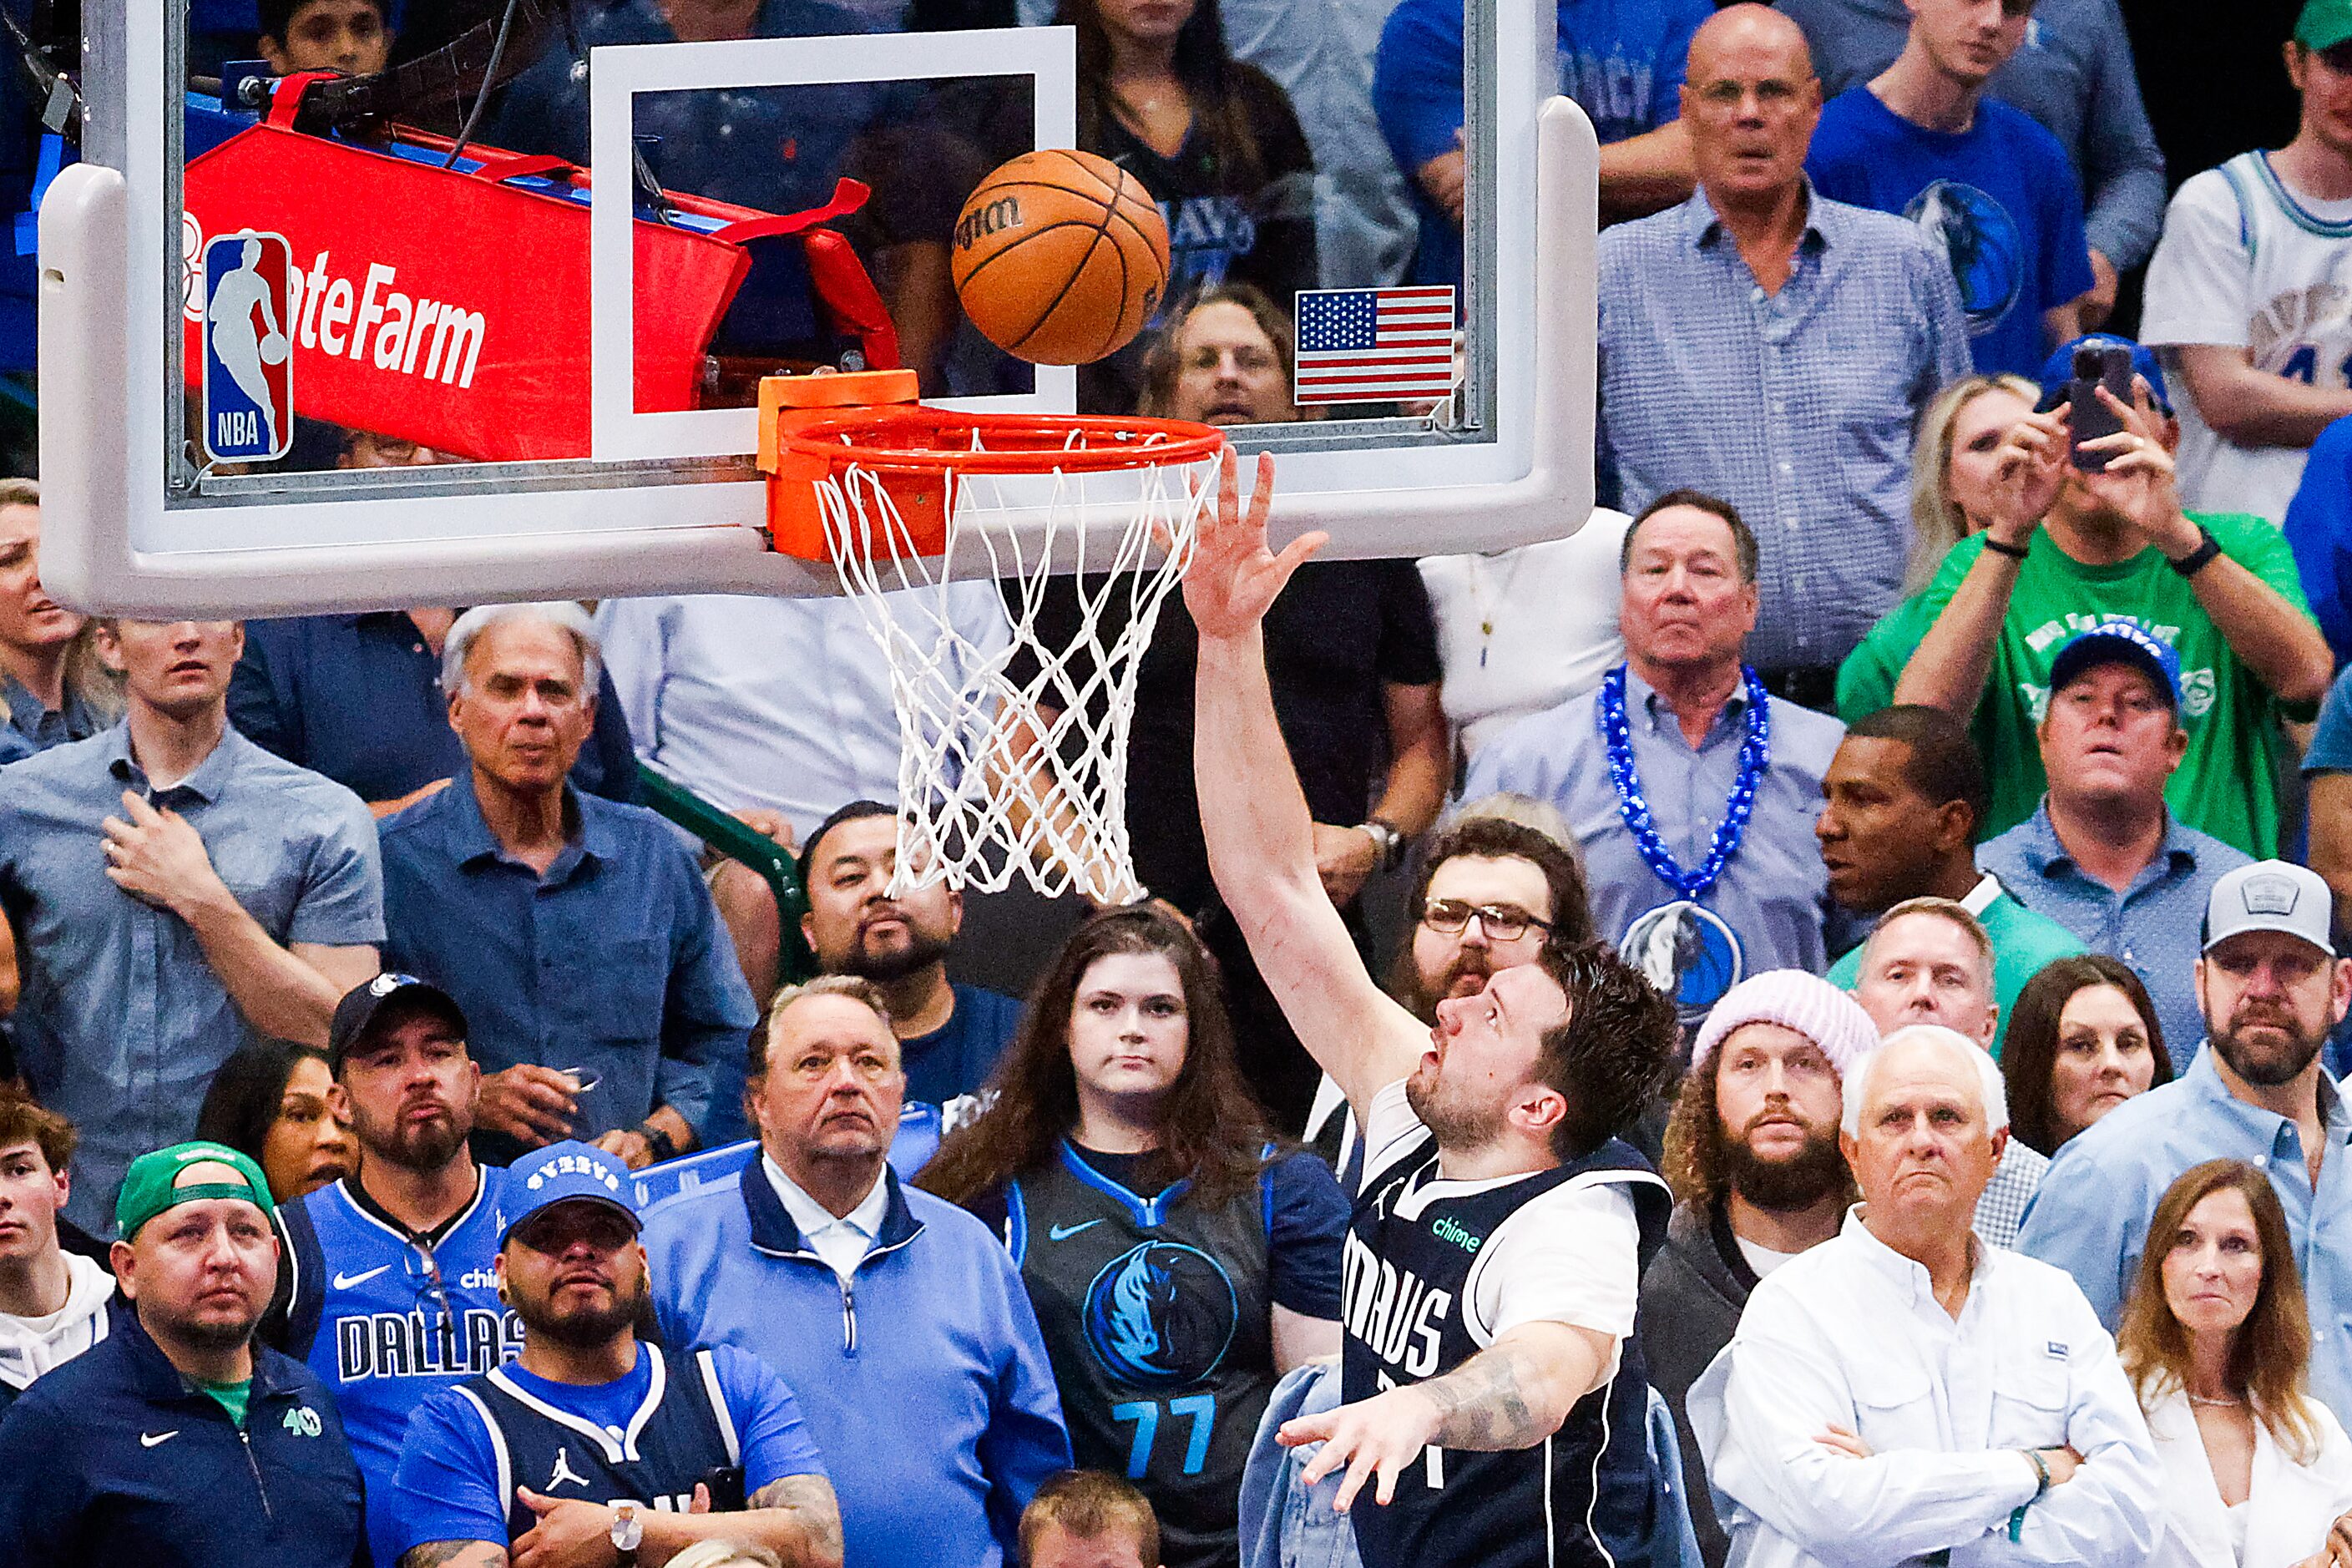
(353, 1281)
(149, 1440)
(1064, 1232)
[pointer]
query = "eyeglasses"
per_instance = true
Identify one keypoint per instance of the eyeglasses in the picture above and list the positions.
(1501, 922)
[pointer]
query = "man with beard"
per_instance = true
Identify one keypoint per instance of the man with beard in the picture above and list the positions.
(1491, 1266)
(2271, 985)
(949, 1034)
(593, 1447)
(389, 1292)
(177, 1441)
(1752, 1153)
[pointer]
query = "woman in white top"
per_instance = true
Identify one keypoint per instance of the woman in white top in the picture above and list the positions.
(2216, 1339)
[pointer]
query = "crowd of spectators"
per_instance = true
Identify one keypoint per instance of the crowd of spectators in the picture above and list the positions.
(1856, 1081)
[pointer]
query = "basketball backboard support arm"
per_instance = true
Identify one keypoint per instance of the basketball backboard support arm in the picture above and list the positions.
(111, 543)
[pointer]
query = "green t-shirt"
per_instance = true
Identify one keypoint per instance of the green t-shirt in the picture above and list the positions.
(2224, 785)
(233, 1396)
(2023, 942)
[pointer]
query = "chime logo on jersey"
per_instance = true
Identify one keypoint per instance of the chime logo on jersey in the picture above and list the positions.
(424, 1344)
(1395, 1312)
(1161, 1315)
(248, 324)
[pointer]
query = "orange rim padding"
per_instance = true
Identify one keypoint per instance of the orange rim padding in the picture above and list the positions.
(815, 428)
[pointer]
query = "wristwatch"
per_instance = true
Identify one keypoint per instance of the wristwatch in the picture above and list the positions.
(1386, 839)
(628, 1532)
(2196, 559)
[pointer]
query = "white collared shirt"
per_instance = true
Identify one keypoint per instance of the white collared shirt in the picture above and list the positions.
(841, 1240)
(1851, 1334)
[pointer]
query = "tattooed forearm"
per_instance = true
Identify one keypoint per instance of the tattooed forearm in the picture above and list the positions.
(1493, 1402)
(810, 1501)
(455, 1554)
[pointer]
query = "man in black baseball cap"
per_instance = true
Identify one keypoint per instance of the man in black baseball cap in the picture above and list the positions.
(415, 1231)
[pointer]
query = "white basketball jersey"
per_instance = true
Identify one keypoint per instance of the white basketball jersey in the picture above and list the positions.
(2246, 262)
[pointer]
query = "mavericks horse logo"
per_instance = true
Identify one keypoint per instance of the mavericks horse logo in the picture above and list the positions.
(1986, 249)
(1160, 1315)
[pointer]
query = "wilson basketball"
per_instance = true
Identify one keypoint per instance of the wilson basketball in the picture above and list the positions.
(1060, 257)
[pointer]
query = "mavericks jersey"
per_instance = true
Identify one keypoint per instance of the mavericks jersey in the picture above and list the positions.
(679, 1435)
(383, 1322)
(2246, 262)
(1413, 1252)
(1158, 1320)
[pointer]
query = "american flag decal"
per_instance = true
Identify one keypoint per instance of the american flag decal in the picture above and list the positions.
(1374, 345)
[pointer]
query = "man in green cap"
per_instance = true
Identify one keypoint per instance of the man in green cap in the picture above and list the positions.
(2246, 296)
(177, 1440)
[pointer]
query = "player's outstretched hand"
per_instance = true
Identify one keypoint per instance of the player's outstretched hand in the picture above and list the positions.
(1233, 577)
(1374, 1438)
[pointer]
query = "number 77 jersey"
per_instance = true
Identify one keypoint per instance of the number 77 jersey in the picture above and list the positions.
(1157, 1315)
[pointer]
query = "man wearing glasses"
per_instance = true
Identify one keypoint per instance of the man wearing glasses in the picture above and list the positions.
(2245, 294)
(388, 1291)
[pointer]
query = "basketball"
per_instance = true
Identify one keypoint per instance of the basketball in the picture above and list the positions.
(275, 348)
(1060, 257)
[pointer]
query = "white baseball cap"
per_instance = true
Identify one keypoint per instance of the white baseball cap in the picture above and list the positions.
(2270, 895)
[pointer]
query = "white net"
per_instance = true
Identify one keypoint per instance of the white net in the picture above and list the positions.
(1012, 759)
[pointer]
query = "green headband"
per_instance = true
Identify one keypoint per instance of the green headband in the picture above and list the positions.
(152, 1184)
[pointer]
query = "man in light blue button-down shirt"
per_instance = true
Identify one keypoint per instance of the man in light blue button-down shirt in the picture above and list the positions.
(175, 891)
(2272, 987)
(1771, 346)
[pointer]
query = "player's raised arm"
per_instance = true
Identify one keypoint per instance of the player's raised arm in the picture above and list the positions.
(1254, 816)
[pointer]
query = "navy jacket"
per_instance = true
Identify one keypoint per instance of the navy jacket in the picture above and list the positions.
(113, 1458)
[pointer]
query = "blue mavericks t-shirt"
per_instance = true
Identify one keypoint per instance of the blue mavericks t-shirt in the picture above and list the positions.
(1621, 60)
(448, 1485)
(2318, 529)
(1999, 198)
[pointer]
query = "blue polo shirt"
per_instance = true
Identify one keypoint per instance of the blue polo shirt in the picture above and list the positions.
(358, 699)
(122, 1022)
(614, 961)
(2090, 1216)
(2153, 925)
(115, 1459)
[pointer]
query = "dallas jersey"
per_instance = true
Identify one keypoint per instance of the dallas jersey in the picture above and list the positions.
(2247, 263)
(1414, 1250)
(1157, 1315)
(385, 1321)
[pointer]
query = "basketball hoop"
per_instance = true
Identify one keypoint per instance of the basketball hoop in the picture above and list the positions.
(908, 499)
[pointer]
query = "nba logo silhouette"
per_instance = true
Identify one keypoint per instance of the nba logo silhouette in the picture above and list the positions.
(248, 326)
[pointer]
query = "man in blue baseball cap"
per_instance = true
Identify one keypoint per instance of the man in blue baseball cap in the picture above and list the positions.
(592, 1445)
(2102, 856)
(2088, 530)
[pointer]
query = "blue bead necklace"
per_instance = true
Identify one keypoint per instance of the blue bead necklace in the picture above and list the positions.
(1754, 756)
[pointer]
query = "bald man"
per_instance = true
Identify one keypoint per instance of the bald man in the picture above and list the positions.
(1855, 312)
(1905, 1391)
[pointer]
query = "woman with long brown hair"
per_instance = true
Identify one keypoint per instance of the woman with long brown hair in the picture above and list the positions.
(2083, 1036)
(2216, 1339)
(1180, 1261)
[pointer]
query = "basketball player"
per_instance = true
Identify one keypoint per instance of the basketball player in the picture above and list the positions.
(1494, 1256)
(595, 1446)
(389, 1291)
(241, 350)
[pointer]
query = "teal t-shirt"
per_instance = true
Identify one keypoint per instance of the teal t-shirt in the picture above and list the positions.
(2224, 784)
(233, 1397)
(2023, 942)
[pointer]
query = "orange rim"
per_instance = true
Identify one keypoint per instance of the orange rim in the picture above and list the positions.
(936, 440)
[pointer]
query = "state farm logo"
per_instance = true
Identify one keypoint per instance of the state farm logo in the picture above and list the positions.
(365, 320)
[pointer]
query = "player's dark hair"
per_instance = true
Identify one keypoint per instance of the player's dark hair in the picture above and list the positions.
(277, 16)
(1211, 78)
(1743, 538)
(1163, 361)
(1088, 1505)
(247, 1092)
(24, 1120)
(1615, 1052)
(1211, 1128)
(1943, 764)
